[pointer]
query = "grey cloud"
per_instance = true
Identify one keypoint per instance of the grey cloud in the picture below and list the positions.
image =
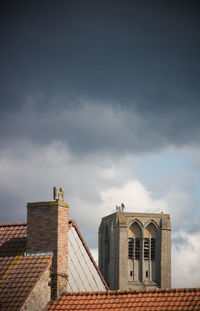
(178, 190)
(137, 65)
(30, 174)
(90, 126)
(13, 206)
(108, 50)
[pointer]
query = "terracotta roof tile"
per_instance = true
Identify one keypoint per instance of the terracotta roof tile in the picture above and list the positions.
(141, 300)
(18, 273)
(12, 239)
(16, 285)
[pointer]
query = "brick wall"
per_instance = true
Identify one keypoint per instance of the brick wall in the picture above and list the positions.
(47, 230)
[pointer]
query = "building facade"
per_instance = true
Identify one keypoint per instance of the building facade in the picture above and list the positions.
(135, 250)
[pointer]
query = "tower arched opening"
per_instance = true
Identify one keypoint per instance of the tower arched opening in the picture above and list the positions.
(135, 252)
(150, 246)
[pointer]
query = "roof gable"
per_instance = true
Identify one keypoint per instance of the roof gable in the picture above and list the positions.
(94, 280)
(83, 272)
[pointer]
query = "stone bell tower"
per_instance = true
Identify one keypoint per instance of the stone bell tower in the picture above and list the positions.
(135, 250)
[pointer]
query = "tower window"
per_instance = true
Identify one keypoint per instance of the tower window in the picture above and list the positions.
(137, 248)
(130, 248)
(153, 244)
(146, 248)
(134, 250)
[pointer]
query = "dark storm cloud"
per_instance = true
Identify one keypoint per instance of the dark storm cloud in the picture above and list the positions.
(12, 204)
(90, 126)
(115, 50)
(140, 57)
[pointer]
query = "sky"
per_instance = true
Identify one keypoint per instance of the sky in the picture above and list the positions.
(102, 98)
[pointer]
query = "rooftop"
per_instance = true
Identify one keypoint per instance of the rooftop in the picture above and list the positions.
(20, 272)
(138, 300)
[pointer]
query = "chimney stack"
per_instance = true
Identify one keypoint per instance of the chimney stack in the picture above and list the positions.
(47, 231)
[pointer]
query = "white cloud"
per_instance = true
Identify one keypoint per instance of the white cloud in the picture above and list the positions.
(94, 252)
(185, 261)
(93, 186)
(135, 197)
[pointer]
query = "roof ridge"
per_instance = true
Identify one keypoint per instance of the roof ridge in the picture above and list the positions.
(9, 224)
(131, 291)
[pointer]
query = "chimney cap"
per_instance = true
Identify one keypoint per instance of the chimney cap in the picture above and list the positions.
(58, 194)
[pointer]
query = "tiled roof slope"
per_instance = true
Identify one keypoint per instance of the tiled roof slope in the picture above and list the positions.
(18, 273)
(137, 300)
(19, 278)
(12, 239)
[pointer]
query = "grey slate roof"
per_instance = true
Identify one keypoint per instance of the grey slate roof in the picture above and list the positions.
(84, 274)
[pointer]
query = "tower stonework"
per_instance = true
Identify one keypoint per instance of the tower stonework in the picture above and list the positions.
(135, 250)
(47, 231)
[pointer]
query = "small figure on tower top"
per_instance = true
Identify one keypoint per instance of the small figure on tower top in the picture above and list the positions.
(117, 208)
(122, 207)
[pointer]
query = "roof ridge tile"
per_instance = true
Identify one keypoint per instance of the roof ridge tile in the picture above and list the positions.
(12, 224)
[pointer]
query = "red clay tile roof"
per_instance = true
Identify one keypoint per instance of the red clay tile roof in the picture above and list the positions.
(12, 239)
(18, 273)
(137, 300)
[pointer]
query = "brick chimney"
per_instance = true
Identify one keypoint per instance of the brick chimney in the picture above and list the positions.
(47, 231)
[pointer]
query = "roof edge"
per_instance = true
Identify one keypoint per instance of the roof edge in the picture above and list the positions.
(132, 291)
(11, 224)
